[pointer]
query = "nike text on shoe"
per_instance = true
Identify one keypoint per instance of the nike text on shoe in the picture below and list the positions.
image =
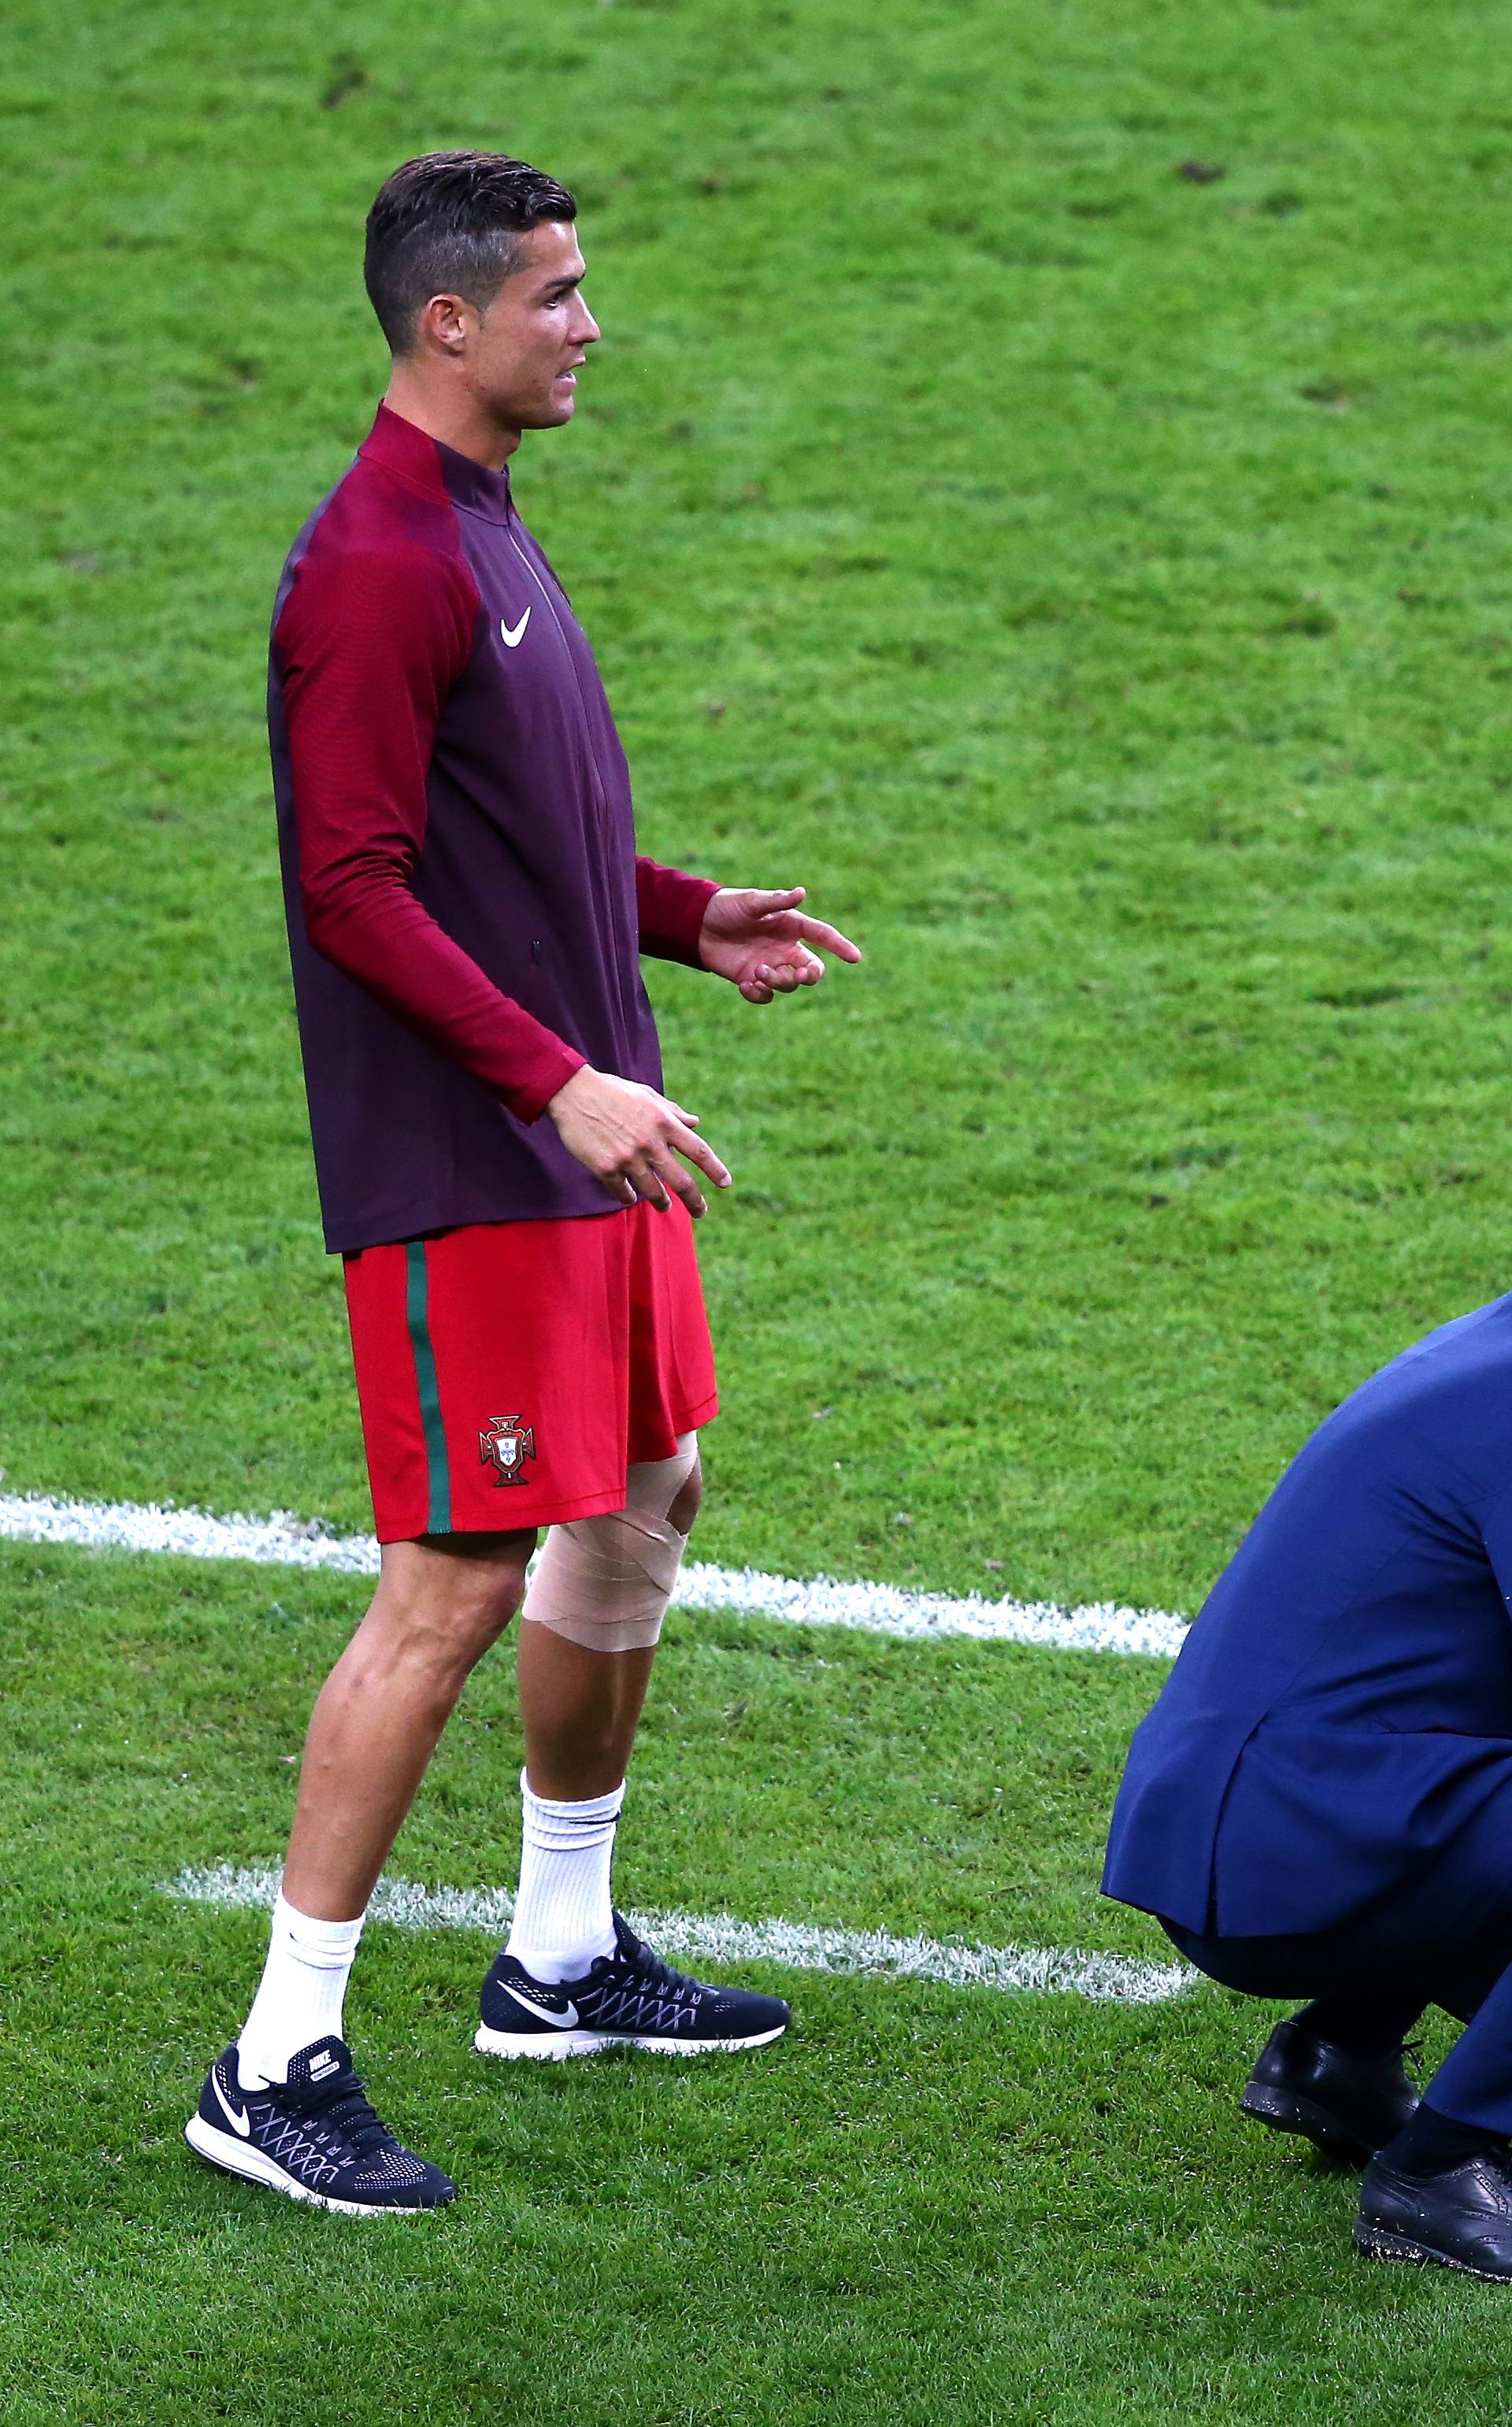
(313, 2137)
(628, 2000)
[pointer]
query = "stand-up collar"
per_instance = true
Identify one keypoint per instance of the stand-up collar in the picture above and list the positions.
(416, 457)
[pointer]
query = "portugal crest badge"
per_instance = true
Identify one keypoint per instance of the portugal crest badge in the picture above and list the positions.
(505, 1446)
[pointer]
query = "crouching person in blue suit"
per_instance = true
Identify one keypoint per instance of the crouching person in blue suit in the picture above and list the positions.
(1320, 1804)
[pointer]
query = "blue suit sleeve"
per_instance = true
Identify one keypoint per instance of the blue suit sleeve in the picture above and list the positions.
(1496, 1532)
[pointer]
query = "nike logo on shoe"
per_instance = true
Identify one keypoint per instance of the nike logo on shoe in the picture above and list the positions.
(237, 2121)
(561, 2018)
(511, 639)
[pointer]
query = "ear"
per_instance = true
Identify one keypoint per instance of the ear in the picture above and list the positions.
(446, 323)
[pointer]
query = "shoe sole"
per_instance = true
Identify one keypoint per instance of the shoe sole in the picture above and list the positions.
(1376, 2241)
(1283, 2111)
(579, 2043)
(231, 2156)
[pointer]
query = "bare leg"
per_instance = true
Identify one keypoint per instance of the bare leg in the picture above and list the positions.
(440, 1604)
(581, 1708)
(571, 1977)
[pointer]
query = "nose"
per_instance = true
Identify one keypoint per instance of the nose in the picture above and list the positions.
(585, 328)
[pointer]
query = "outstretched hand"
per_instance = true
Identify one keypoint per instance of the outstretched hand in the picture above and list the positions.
(762, 942)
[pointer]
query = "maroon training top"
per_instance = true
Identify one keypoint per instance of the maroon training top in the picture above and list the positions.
(465, 906)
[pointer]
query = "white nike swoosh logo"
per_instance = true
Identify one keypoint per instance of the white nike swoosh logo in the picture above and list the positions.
(513, 639)
(560, 2022)
(237, 2123)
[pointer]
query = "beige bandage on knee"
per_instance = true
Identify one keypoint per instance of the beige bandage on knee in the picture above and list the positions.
(605, 1582)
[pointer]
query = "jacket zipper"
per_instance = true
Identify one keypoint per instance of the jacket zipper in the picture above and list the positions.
(600, 798)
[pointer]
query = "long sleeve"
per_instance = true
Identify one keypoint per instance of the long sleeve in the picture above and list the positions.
(369, 645)
(671, 906)
(1496, 1532)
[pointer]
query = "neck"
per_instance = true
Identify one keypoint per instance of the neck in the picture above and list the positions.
(459, 421)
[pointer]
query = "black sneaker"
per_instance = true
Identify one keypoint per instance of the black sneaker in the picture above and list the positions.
(1461, 2218)
(1347, 2106)
(315, 2137)
(627, 1999)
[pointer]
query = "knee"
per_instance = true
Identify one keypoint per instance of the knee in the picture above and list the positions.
(689, 1494)
(454, 1636)
(438, 1627)
(604, 1583)
(444, 1649)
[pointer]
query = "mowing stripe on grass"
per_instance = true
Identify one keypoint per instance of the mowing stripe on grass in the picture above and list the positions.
(284, 1540)
(717, 1938)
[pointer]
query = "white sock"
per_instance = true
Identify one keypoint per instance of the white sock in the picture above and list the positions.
(301, 1994)
(562, 1917)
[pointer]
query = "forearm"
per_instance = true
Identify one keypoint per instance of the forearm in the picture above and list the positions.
(671, 907)
(369, 924)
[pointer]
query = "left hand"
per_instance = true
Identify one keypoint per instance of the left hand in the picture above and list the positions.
(761, 942)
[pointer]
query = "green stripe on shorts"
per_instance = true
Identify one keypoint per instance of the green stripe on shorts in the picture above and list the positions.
(416, 1296)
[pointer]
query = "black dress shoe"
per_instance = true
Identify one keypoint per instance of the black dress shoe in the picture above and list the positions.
(1462, 2219)
(1347, 2106)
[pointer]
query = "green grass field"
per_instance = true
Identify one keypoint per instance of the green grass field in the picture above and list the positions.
(1091, 581)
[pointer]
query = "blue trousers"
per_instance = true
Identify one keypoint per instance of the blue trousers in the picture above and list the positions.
(1445, 1941)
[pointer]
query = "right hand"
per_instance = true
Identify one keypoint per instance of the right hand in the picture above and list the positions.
(629, 1138)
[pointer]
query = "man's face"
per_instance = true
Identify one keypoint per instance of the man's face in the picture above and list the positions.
(530, 342)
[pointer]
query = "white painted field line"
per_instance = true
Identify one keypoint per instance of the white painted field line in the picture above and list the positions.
(717, 1938)
(892, 1610)
(280, 1540)
(284, 1540)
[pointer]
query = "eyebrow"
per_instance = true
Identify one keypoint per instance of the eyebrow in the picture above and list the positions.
(561, 286)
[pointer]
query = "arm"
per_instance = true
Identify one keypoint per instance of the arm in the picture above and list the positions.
(671, 908)
(369, 647)
(1496, 1533)
(760, 942)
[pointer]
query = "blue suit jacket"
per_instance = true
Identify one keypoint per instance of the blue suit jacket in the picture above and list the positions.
(1342, 1706)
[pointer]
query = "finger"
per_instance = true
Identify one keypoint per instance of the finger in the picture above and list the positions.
(684, 1185)
(698, 1151)
(759, 904)
(799, 968)
(813, 931)
(755, 991)
(648, 1183)
(618, 1186)
(682, 1112)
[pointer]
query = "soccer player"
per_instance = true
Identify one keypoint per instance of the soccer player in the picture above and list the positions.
(498, 1168)
(1319, 1803)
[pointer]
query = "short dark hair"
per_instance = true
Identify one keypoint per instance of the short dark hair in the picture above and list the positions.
(450, 222)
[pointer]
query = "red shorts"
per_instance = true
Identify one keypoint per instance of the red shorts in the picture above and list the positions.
(508, 1372)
